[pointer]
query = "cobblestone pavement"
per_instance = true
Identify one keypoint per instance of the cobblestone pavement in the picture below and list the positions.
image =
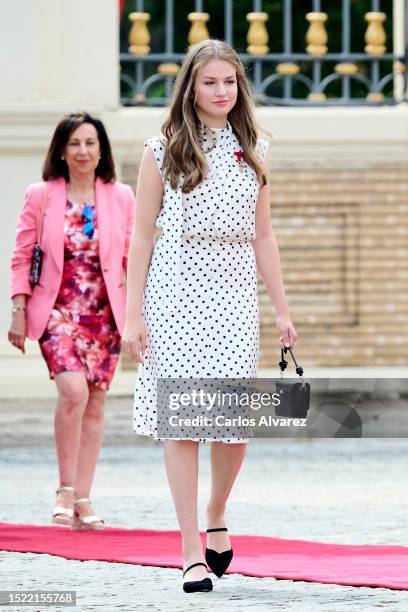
(343, 491)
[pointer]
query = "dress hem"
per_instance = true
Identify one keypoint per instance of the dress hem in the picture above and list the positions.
(157, 439)
(103, 387)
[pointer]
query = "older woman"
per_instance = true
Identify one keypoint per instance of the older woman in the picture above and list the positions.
(83, 218)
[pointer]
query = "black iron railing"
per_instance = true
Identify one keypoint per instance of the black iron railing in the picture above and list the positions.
(317, 76)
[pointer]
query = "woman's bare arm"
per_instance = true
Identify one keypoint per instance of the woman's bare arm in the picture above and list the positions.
(17, 329)
(268, 262)
(149, 196)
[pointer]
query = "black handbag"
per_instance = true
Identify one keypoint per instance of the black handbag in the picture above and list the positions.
(37, 256)
(294, 394)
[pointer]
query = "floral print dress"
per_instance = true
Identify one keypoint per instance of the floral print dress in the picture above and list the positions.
(81, 333)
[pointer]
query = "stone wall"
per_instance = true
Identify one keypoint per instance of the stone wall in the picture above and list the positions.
(343, 236)
(342, 226)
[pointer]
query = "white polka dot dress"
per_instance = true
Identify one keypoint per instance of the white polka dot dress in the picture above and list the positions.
(200, 301)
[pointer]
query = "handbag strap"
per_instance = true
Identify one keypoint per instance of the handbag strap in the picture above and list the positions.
(283, 363)
(42, 210)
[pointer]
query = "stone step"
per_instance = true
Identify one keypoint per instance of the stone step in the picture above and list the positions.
(333, 265)
(295, 294)
(330, 312)
(294, 249)
(334, 246)
(318, 357)
(313, 323)
(358, 168)
(348, 338)
(334, 209)
(337, 325)
(301, 302)
(369, 197)
(355, 176)
(324, 347)
(317, 185)
(367, 230)
(322, 289)
(397, 166)
(336, 360)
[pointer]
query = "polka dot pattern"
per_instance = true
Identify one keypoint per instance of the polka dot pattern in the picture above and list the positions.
(211, 328)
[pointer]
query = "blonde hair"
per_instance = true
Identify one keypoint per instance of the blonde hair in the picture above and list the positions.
(182, 132)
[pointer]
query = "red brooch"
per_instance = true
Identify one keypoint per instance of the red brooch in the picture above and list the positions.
(240, 155)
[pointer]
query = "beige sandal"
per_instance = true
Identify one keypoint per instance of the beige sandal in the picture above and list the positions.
(89, 522)
(61, 515)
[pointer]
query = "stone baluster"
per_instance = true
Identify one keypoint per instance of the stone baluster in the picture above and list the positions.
(198, 31)
(139, 36)
(257, 37)
(316, 35)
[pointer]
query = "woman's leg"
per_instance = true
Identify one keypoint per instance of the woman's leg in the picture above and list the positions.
(72, 400)
(226, 461)
(181, 460)
(90, 445)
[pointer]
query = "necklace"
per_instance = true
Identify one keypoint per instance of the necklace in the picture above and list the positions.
(79, 195)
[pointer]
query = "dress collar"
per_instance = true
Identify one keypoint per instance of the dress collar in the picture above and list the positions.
(211, 136)
(227, 129)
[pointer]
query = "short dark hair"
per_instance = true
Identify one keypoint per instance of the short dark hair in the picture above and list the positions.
(54, 167)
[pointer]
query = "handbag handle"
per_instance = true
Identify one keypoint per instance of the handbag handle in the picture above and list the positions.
(42, 210)
(283, 363)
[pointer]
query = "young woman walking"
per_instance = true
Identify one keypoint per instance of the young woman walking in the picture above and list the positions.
(192, 304)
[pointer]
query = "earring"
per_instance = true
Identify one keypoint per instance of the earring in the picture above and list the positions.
(62, 157)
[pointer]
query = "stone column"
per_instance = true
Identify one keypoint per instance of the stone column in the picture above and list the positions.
(57, 56)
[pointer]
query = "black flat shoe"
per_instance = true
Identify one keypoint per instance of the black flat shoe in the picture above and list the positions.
(194, 586)
(218, 562)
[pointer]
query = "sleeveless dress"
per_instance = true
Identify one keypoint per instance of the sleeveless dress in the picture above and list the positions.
(200, 302)
(81, 333)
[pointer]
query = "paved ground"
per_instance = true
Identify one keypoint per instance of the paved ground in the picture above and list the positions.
(26, 376)
(345, 491)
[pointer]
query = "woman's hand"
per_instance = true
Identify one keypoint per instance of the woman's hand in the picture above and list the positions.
(17, 331)
(134, 339)
(285, 326)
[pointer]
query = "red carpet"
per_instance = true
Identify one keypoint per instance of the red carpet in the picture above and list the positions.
(354, 565)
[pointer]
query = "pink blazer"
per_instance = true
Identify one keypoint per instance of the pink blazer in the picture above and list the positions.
(115, 204)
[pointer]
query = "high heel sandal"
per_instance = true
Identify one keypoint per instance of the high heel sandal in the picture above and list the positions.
(89, 522)
(194, 586)
(61, 515)
(218, 562)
